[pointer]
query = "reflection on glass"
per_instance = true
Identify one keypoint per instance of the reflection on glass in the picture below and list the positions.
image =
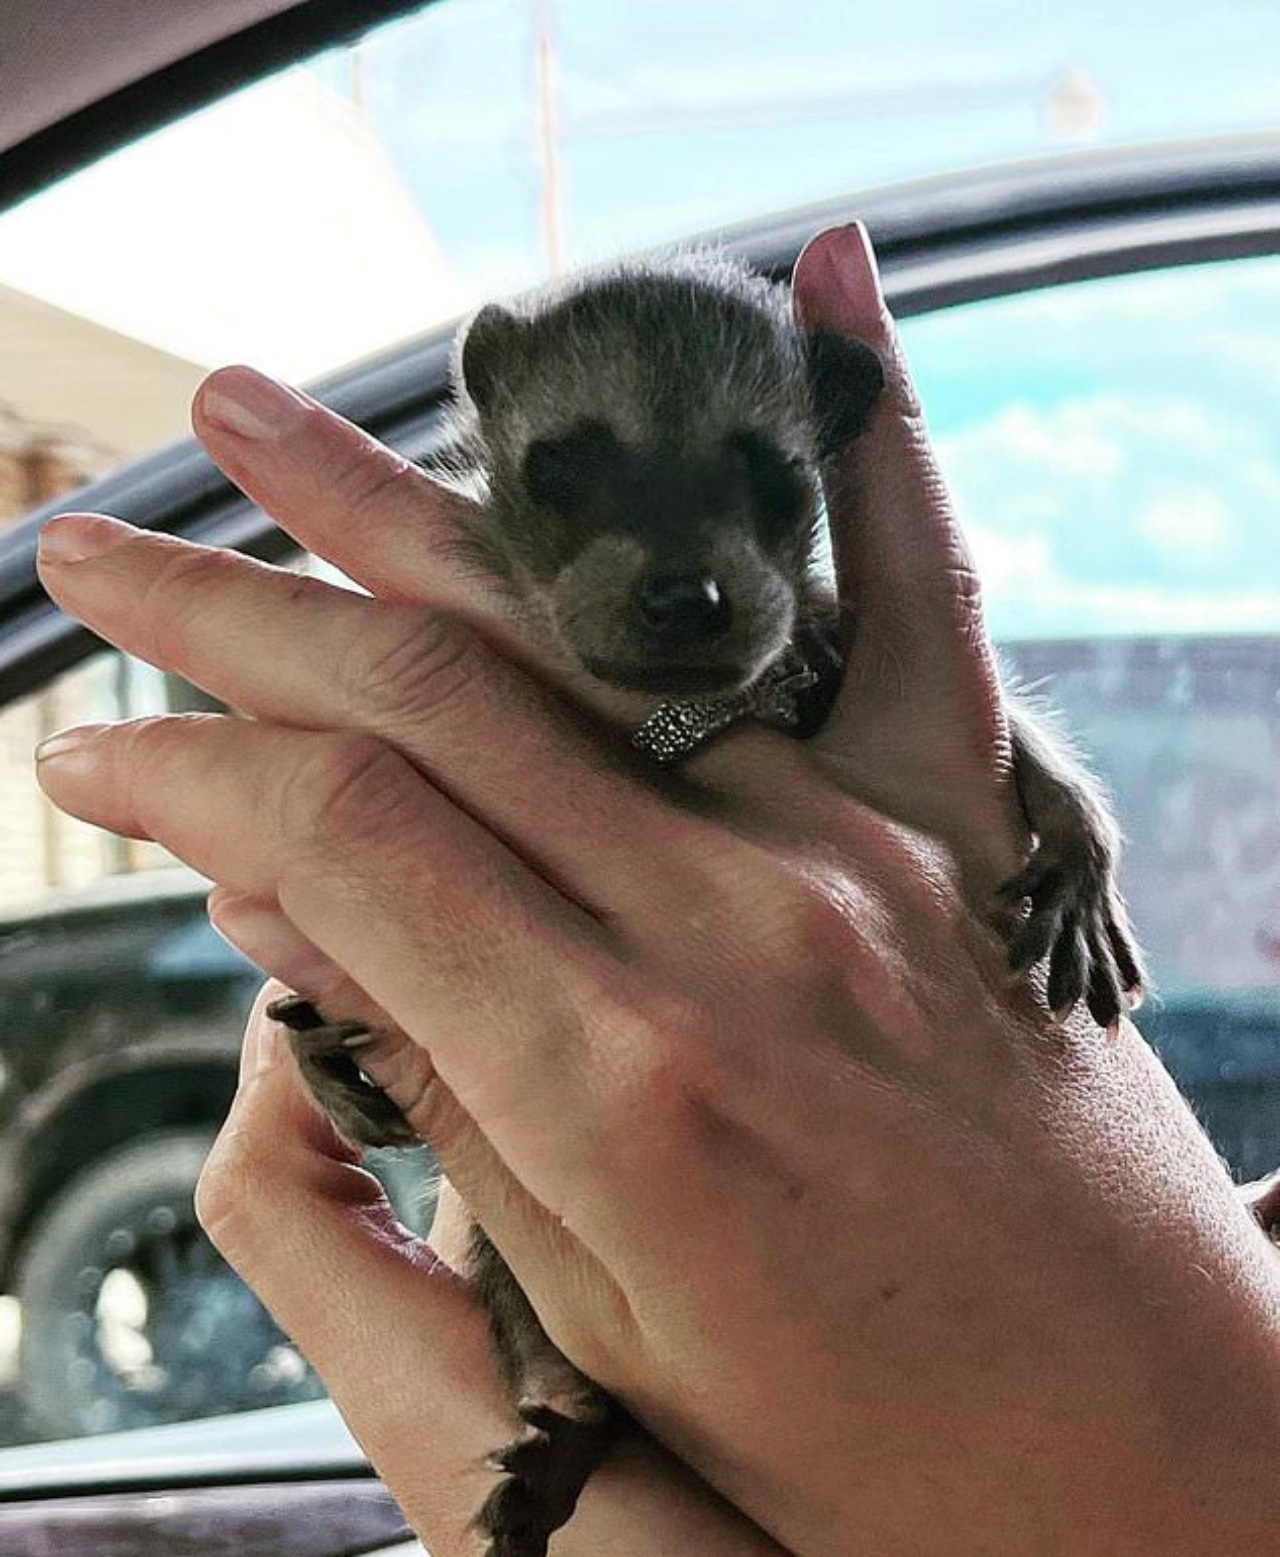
(1114, 449)
(344, 206)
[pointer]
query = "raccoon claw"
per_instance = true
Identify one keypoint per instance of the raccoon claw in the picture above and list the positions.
(300, 1016)
(325, 1055)
(1073, 918)
(544, 1473)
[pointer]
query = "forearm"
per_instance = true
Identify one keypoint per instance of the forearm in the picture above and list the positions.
(1181, 1460)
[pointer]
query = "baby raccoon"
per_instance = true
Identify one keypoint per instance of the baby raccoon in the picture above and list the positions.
(647, 443)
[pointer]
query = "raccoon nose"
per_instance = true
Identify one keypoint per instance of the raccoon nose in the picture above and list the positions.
(682, 610)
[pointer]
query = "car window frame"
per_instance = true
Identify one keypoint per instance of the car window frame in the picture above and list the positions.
(189, 83)
(947, 242)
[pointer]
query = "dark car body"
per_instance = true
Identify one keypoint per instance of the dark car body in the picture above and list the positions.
(120, 1013)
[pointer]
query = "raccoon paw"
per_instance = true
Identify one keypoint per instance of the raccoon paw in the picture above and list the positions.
(326, 1053)
(545, 1471)
(1073, 915)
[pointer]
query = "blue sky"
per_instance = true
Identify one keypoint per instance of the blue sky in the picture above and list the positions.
(678, 115)
(1114, 447)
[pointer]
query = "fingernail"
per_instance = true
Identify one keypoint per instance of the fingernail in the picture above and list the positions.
(75, 537)
(70, 750)
(265, 1045)
(863, 271)
(854, 271)
(842, 285)
(249, 404)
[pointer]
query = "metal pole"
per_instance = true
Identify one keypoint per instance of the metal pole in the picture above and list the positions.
(547, 136)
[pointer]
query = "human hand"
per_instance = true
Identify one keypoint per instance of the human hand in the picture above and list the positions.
(943, 1244)
(400, 1341)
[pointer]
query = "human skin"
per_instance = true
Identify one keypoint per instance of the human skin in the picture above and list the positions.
(725, 1061)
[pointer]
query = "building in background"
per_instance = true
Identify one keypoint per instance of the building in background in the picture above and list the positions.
(75, 399)
(277, 202)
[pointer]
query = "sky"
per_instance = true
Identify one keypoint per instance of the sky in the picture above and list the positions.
(676, 116)
(1114, 449)
(1114, 446)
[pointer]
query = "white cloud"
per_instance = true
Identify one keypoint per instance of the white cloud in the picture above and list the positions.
(1075, 442)
(1193, 523)
(1111, 514)
(1028, 596)
(1013, 565)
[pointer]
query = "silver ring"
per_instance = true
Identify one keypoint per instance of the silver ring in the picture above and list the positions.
(676, 729)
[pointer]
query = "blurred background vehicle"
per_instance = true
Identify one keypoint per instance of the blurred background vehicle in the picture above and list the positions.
(1079, 224)
(120, 1009)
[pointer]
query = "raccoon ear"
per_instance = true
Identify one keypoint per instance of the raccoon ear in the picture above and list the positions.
(845, 380)
(491, 350)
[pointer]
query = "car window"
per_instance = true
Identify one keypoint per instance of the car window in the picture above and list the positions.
(1113, 446)
(350, 203)
(1120, 484)
(1115, 451)
(121, 1013)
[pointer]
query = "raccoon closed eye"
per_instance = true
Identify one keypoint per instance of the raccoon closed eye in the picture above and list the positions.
(781, 484)
(566, 474)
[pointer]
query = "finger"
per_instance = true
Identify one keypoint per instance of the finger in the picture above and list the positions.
(399, 1341)
(343, 495)
(372, 865)
(918, 727)
(901, 559)
(297, 651)
(644, 1503)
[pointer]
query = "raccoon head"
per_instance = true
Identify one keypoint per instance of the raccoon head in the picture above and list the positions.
(653, 448)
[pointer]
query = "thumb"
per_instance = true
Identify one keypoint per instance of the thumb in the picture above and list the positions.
(398, 1340)
(918, 727)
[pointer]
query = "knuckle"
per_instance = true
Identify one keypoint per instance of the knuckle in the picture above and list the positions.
(664, 1054)
(806, 922)
(173, 598)
(238, 1179)
(148, 755)
(420, 665)
(368, 479)
(338, 799)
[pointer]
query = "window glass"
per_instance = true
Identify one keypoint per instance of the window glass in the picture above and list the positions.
(1113, 447)
(348, 204)
(1115, 451)
(122, 1012)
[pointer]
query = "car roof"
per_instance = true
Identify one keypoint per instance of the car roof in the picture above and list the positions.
(59, 56)
(77, 80)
